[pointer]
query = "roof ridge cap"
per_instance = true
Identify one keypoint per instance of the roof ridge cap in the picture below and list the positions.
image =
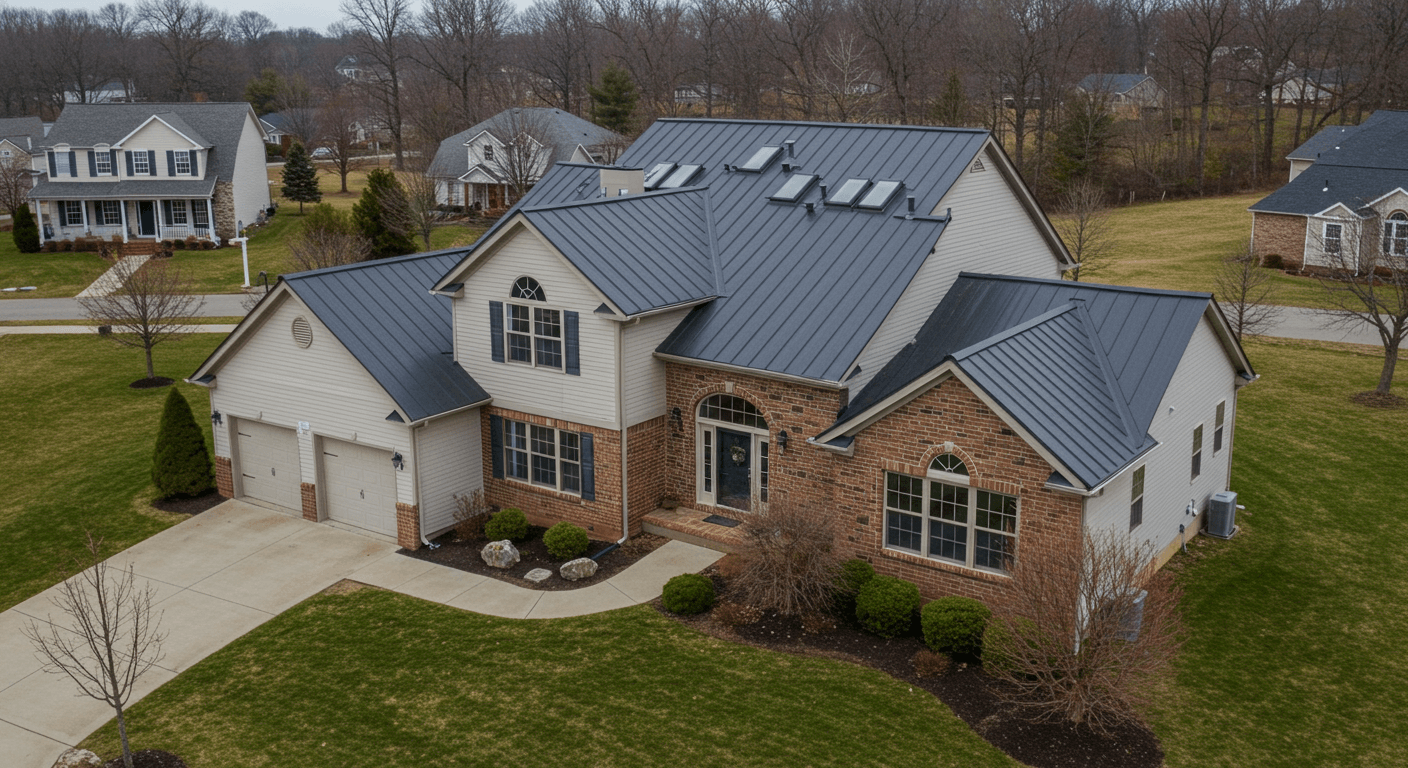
(1091, 286)
(1016, 330)
(606, 200)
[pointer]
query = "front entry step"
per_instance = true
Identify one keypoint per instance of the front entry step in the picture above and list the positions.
(688, 525)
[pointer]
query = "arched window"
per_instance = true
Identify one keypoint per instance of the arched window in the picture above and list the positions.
(528, 288)
(733, 459)
(947, 462)
(944, 517)
(731, 409)
(1396, 234)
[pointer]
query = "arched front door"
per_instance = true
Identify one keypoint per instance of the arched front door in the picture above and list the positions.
(732, 453)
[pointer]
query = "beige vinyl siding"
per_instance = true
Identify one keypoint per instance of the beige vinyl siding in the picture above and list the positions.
(273, 380)
(451, 463)
(645, 375)
(251, 181)
(157, 137)
(1297, 166)
(990, 232)
(1205, 377)
(586, 399)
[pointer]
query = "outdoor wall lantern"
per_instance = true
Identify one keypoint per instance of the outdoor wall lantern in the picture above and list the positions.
(397, 462)
(782, 439)
(216, 418)
(676, 419)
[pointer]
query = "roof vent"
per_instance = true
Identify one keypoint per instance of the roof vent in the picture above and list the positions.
(811, 208)
(302, 332)
(911, 203)
(786, 167)
(791, 147)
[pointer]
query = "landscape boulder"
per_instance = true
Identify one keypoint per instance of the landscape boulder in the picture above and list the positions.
(78, 758)
(538, 575)
(500, 554)
(581, 568)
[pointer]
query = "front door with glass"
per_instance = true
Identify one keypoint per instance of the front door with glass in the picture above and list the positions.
(732, 453)
(735, 462)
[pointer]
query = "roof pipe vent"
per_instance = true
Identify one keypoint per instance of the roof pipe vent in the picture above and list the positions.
(811, 208)
(948, 213)
(823, 191)
(726, 168)
(911, 203)
(791, 147)
(786, 167)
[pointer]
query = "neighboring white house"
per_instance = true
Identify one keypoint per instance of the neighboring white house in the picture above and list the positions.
(1125, 90)
(477, 166)
(160, 171)
(111, 92)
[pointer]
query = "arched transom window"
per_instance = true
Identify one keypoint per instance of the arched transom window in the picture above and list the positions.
(947, 462)
(528, 288)
(732, 452)
(534, 333)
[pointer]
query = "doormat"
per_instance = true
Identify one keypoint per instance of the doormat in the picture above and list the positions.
(726, 522)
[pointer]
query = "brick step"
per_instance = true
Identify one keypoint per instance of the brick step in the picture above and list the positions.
(138, 248)
(688, 525)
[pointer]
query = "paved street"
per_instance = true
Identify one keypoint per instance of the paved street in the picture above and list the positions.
(216, 305)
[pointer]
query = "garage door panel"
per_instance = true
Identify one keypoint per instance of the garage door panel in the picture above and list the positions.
(268, 463)
(360, 485)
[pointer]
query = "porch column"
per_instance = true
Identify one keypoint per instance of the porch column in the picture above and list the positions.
(157, 214)
(83, 206)
(209, 220)
(39, 214)
(122, 206)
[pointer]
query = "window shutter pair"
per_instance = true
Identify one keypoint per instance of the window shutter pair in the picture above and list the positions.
(569, 332)
(73, 164)
(496, 447)
(92, 162)
(128, 155)
(170, 162)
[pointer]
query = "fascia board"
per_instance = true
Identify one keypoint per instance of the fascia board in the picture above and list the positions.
(759, 372)
(1386, 195)
(1223, 329)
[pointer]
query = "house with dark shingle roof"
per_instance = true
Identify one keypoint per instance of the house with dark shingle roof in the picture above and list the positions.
(151, 171)
(1348, 191)
(865, 321)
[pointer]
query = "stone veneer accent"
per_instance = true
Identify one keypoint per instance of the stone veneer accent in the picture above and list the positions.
(1279, 234)
(408, 525)
(310, 501)
(224, 477)
(224, 204)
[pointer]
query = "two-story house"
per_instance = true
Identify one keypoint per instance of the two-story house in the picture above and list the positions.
(478, 166)
(866, 321)
(159, 171)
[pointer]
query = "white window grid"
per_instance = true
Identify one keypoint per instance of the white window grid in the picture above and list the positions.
(73, 213)
(1197, 452)
(543, 456)
(102, 162)
(111, 213)
(183, 162)
(140, 167)
(178, 213)
(1136, 499)
(61, 166)
(942, 518)
(1218, 423)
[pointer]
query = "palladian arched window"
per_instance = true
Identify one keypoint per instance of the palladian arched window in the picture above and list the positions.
(732, 450)
(528, 288)
(943, 517)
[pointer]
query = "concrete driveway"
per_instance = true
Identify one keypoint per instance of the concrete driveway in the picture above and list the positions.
(222, 573)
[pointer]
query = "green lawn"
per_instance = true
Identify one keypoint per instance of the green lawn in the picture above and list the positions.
(374, 678)
(1295, 656)
(1180, 245)
(77, 444)
(53, 274)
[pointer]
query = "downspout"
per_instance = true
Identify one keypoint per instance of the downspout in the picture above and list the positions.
(415, 488)
(621, 422)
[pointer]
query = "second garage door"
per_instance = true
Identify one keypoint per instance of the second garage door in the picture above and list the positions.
(360, 486)
(268, 464)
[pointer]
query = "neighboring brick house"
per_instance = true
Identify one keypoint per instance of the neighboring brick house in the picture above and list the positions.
(1348, 191)
(151, 171)
(864, 321)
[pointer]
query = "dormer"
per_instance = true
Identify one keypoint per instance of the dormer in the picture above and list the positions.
(164, 146)
(618, 182)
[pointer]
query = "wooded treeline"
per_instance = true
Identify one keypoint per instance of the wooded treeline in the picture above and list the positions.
(1245, 79)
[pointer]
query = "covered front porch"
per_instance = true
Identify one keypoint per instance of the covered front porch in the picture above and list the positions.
(126, 219)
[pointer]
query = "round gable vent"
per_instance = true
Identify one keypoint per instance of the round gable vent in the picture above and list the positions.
(302, 332)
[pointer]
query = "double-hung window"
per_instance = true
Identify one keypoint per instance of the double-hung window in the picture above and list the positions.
(73, 213)
(488, 153)
(1217, 427)
(1334, 234)
(533, 333)
(102, 162)
(182, 158)
(61, 166)
(943, 518)
(178, 213)
(1136, 499)
(112, 213)
(140, 162)
(543, 456)
(1197, 452)
(200, 215)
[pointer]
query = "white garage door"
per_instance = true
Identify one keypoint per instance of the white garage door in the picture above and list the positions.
(360, 486)
(268, 464)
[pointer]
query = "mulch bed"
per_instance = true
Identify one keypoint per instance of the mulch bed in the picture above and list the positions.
(191, 505)
(148, 758)
(155, 382)
(1376, 399)
(533, 553)
(971, 695)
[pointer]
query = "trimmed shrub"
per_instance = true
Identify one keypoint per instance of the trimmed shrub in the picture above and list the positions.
(931, 664)
(1273, 261)
(180, 465)
(954, 624)
(26, 230)
(885, 606)
(855, 573)
(566, 541)
(688, 594)
(509, 524)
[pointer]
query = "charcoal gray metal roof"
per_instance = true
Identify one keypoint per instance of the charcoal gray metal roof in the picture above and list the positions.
(1102, 83)
(1081, 366)
(27, 132)
(214, 124)
(1329, 137)
(124, 189)
(1366, 163)
(380, 311)
(562, 129)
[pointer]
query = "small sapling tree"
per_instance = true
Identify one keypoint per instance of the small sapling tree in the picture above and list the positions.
(1246, 293)
(151, 306)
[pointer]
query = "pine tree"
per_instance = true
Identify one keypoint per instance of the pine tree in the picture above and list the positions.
(301, 178)
(26, 232)
(614, 100)
(181, 464)
(375, 215)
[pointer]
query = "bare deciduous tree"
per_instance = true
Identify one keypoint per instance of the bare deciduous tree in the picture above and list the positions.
(338, 120)
(185, 31)
(1084, 225)
(1064, 643)
(421, 208)
(14, 183)
(382, 28)
(789, 561)
(526, 151)
(1367, 282)
(150, 307)
(1246, 293)
(1200, 29)
(903, 34)
(112, 635)
(462, 42)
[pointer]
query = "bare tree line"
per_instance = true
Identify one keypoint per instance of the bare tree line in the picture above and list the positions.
(1245, 79)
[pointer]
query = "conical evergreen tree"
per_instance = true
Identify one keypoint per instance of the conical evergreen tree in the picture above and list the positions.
(614, 101)
(301, 178)
(26, 232)
(373, 215)
(181, 464)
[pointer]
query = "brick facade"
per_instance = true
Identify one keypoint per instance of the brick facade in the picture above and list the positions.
(1277, 234)
(407, 525)
(647, 468)
(224, 477)
(310, 501)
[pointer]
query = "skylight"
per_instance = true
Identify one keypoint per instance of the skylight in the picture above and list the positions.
(795, 187)
(657, 174)
(847, 193)
(680, 177)
(761, 159)
(880, 195)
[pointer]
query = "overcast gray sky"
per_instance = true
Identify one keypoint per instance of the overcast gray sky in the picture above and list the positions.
(317, 14)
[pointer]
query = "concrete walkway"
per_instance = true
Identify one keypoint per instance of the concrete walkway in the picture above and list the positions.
(224, 572)
(111, 280)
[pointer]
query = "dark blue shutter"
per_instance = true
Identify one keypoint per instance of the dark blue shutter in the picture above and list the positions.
(496, 331)
(93, 162)
(53, 166)
(73, 163)
(128, 155)
(170, 162)
(112, 161)
(151, 162)
(195, 164)
(588, 468)
(166, 211)
(496, 444)
(569, 332)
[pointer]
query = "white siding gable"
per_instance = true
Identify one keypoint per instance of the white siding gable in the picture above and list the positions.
(251, 181)
(990, 232)
(644, 374)
(586, 399)
(158, 136)
(1205, 377)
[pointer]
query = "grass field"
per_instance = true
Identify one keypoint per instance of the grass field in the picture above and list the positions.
(53, 274)
(78, 443)
(1180, 245)
(374, 678)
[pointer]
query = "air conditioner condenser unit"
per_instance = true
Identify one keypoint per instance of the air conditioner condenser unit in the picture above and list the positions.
(1222, 514)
